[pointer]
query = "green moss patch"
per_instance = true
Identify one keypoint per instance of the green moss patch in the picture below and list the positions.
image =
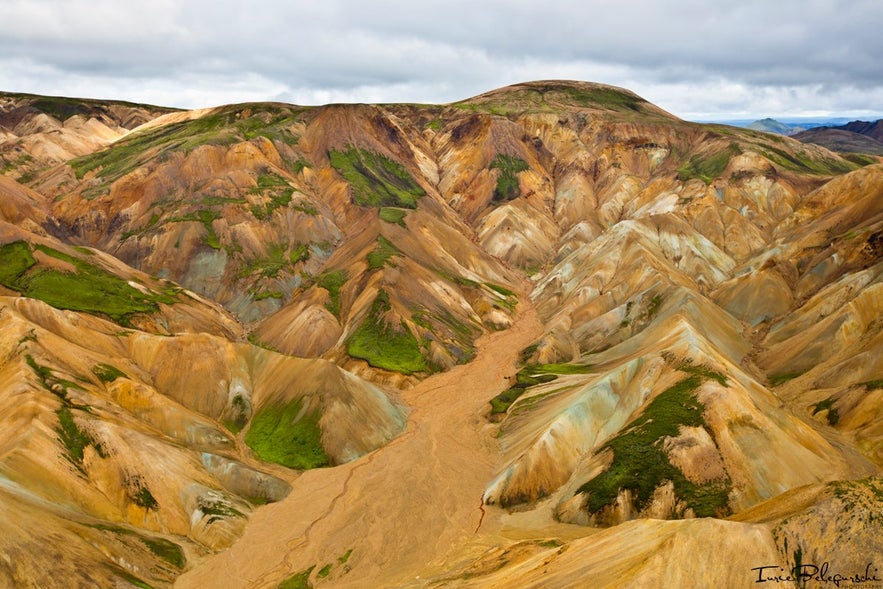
(216, 507)
(130, 578)
(107, 373)
(533, 375)
(780, 379)
(342, 559)
(393, 215)
(72, 437)
(333, 282)
(299, 580)
(833, 415)
(609, 98)
(381, 254)
(708, 167)
(376, 180)
(280, 257)
(226, 126)
(385, 346)
(166, 550)
(276, 189)
(802, 162)
(507, 182)
(287, 435)
(89, 288)
(15, 260)
(640, 464)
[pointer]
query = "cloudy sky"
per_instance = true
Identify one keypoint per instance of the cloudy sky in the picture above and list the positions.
(699, 59)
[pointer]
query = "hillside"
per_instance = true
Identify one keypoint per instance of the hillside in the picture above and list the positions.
(547, 333)
(857, 137)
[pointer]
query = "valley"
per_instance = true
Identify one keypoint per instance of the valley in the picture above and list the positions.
(545, 334)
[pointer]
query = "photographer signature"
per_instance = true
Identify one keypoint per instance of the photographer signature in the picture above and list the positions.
(804, 573)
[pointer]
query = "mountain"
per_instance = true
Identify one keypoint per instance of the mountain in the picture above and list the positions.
(769, 125)
(858, 137)
(873, 130)
(548, 333)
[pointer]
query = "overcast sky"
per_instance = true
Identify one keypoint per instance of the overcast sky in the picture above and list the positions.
(699, 59)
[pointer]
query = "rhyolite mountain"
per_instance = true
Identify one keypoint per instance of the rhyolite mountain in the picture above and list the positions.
(547, 334)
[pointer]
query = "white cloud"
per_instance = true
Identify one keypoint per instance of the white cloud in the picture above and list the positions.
(689, 56)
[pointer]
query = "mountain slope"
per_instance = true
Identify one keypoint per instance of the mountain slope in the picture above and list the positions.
(447, 342)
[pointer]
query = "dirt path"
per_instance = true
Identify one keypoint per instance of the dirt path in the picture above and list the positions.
(410, 508)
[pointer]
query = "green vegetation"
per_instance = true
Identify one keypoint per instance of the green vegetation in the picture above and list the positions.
(507, 182)
(455, 336)
(393, 215)
(268, 294)
(700, 370)
(72, 437)
(376, 180)
(833, 415)
(333, 282)
(62, 108)
(298, 165)
(306, 208)
(653, 306)
(707, 168)
(9, 165)
(15, 260)
(274, 187)
(861, 159)
(130, 578)
(532, 375)
(552, 96)
(640, 464)
(381, 254)
(324, 571)
(107, 373)
(216, 507)
(160, 547)
(240, 410)
(224, 127)
(780, 379)
(47, 379)
(874, 384)
(604, 97)
(539, 369)
(166, 550)
(525, 355)
(345, 556)
(525, 379)
(279, 257)
(287, 435)
(299, 580)
(207, 217)
(500, 289)
(801, 162)
(139, 493)
(89, 288)
(385, 346)
(865, 494)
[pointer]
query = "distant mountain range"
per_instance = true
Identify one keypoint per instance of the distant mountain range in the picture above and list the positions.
(850, 137)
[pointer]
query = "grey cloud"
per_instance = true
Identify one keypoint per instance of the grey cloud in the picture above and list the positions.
(433, 51)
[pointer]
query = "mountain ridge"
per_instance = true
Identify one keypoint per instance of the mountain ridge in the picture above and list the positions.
(539, 278)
